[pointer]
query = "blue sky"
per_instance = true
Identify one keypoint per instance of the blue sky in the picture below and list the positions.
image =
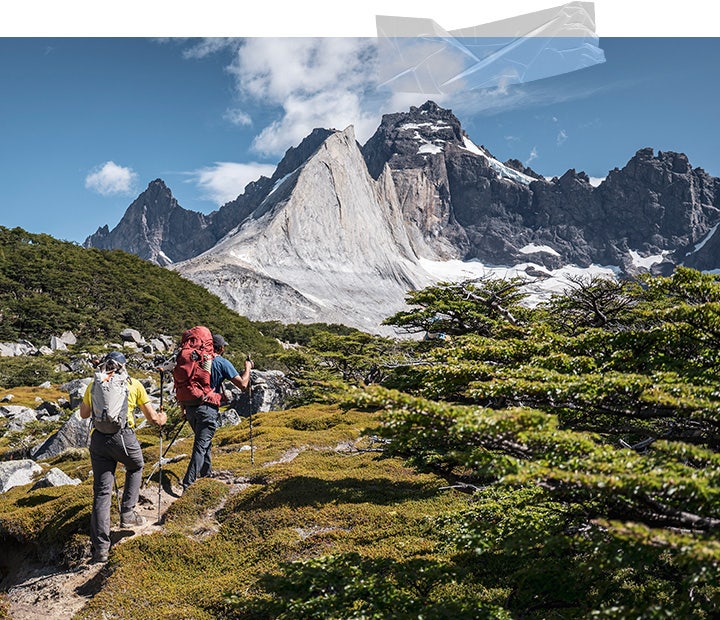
(87, 123)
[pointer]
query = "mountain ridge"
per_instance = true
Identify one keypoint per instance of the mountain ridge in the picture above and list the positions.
(431, 194)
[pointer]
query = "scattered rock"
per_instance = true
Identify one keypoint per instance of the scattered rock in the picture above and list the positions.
(270, 392)
(57, 345)
(13, 349)
(229, 417)
(55, 478)
(48, 408)
(158, 345)
(133, 336)
(20, 420)
(7, 398)
(68, 338)
(76, 390)
(17, 473)
(75, 433)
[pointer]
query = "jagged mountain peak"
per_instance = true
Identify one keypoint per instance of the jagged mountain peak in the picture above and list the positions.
(340, 232)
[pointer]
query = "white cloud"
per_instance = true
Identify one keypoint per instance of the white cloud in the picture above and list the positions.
(332, 82)
(595, 181)
(109, 178)
(225, 181)
(315, 82)
(237, 117)
(205, 47)
(561, 137)
(533, 155)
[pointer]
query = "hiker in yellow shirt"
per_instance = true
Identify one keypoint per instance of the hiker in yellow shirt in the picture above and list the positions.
(112, 443)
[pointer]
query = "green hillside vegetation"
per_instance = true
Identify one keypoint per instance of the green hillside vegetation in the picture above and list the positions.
(49, 286)
(551, 462)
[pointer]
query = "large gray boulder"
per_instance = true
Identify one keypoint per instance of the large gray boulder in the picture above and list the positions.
(17, 473)
(75, 433)
(13, 349)
(19, 420)
(132, 336)
(271, 390)
(56, 344)
(76, 390)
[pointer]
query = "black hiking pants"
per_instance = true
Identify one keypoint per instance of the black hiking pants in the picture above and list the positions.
(106, 451)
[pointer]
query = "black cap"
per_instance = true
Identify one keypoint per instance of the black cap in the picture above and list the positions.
(219, 341)
(115, 356)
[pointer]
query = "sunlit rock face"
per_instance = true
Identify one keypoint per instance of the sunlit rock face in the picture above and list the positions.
(341, 232)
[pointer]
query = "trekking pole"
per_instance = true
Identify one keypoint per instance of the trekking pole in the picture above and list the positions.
(250, 398)
(160, 478)
(162, 376)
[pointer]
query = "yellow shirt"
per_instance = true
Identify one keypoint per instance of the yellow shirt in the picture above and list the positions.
(137, 396)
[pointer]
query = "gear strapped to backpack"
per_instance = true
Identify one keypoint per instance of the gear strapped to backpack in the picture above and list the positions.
(109, 395)
(193, 363)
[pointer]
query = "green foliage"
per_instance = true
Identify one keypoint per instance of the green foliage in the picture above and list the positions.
(330, 362)
(301, 333)
(54, 522)
(562, 519)
(555, 462)
(480, 306)
(49, 286)
(593, 302)
(353, 587)
(28, 371)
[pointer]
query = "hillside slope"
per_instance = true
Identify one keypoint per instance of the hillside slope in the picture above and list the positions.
(48, 286)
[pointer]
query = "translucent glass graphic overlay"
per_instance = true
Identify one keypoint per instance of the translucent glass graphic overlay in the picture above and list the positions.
(417, 55)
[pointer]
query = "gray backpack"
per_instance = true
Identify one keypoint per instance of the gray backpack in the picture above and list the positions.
(109, 394)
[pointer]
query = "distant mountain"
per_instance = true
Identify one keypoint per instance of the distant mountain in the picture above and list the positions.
(340, 232)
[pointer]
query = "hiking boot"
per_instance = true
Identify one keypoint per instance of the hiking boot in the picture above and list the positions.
(99, 557)
(131, 519)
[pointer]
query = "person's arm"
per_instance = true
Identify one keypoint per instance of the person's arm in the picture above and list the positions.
(242, 381)
(85, 410)
(143, 401)
(86, 404)
(155, 417)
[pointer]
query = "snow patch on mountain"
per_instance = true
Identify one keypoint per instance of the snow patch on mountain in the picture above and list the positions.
(531, 248)
(429, 148)
(699, 246)
(541, 283)
(502, 170)
(645, 262)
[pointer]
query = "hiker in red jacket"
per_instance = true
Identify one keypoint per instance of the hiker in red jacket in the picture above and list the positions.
(204, 418)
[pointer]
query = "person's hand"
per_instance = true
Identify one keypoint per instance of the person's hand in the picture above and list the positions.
(249, 364)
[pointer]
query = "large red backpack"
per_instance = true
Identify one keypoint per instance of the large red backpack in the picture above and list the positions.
(193, 362)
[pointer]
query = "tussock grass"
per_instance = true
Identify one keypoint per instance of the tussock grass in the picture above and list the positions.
(28, 396)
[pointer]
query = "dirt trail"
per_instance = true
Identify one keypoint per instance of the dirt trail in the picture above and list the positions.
(47, 592)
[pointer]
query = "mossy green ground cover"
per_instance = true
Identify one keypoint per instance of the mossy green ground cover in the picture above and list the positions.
(223, 548)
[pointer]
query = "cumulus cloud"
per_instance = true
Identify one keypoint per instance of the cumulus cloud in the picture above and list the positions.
(314, 82)
(109, 178)
(304, 83)
(225, 181)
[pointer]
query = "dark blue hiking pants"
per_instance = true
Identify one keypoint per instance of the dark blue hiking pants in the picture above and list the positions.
(204, 420)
